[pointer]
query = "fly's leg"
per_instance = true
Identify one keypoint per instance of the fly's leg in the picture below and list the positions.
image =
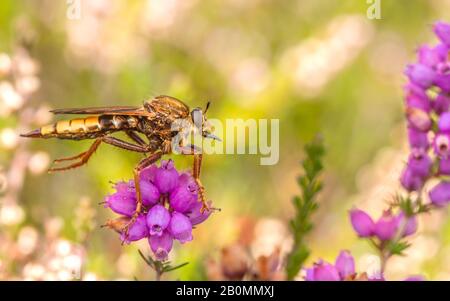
(136, 138)
(137, 170)
(84, 158)
(126, 145)
(196, 151)
(196, 174)
(70, 158)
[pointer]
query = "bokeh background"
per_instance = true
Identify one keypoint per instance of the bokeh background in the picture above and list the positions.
(316, 65)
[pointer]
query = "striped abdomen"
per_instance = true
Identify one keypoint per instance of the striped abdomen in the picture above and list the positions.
(85, 128)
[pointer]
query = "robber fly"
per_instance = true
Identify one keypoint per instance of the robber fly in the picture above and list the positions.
(155, 120)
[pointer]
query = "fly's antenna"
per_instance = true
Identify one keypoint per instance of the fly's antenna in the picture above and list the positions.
(207, 107)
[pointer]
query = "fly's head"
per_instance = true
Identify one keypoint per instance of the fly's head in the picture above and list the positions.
(200, 124)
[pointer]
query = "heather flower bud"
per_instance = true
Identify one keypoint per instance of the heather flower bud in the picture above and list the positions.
(345, 264)
(418, 91)
(418, 119)
(182, 197)
(420, 75)
(415, 101)
(444, 166)
(149, 173)
(411, 181)
(443, 67)
(161, 245)
(443, 82)
(196, 215)
(186, 179)
(137, 230)
(123, 201)
(323, 271)
(409, 225)
(444, 122)
(362, 223)
(166, 177)
(158, 218)
(440, 194)
(150, 193)
(180, 227)
(442, 30)
(431, 57)
(442, 145)
(420, 164)
(386, 226)
(125, 187)
(442, 103)
(418, 139)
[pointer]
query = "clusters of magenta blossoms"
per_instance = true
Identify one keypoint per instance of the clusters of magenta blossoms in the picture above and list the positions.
(343, 269)
(386, 228)
(428, 116)
(171, 207)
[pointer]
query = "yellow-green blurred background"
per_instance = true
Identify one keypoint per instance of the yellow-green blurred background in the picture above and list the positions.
(316, 65)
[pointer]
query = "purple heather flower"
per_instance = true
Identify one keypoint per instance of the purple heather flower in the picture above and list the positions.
(442, 103)
(362, 223)
(421, 75)
(444, 122)
(161, 245)
(411, 224)
(440, 194)
(418, 102)
(158, 218)
(441, 51)
(418, 119)
(195, 214)
(186, 179)
(411, 181)
(148, 174)
(431, 57)
(443, 82)
(418, 139)
(137, 230)
(345, 264)
(442, 144)
(442, 30)
(166, 177)
(386, 226)
(123, 201)
(180, 227)
(309, 274)
(444, 166)
(420, 164)
(150, 193)
(183, 197)
(418, 91)
(322, 271)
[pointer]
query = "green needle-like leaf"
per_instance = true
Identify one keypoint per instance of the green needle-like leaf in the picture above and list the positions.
(305, 204)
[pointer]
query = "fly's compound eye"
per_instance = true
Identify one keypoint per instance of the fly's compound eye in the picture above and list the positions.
(197, 117)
